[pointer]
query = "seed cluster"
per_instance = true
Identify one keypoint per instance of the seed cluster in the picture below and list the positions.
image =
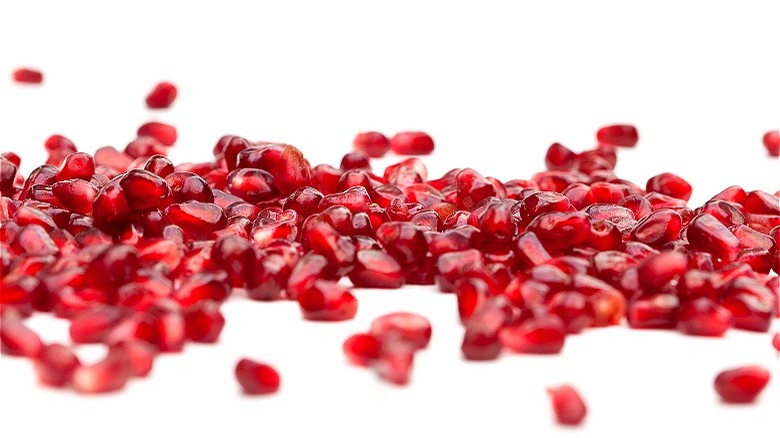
(139, 253)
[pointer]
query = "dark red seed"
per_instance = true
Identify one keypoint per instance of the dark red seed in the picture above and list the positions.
(164, 133)
(742, 384)
(653, 312)
(327, 301)
(407, 328)
(204, 322)
(559, 157)
(618, 135)
(108, 375)
(670, 184)
(257, 378)
(292, 171)
(374, 144)
(77, 165)
(374, 268)
(161, 96)
(543, 334)
(772, 143)
(573, 309)
(703, 317)
(569, 408)
(55, 365)
(362, 349)
(27, 76)
(412, 143)
(705, 233)
(16, 339)
(658, 270)
(395, 364)
(75, 195)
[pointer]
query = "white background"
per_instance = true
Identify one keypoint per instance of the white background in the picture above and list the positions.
(494, 84)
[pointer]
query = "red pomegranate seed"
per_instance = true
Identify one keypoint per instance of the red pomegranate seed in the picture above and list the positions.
(362, 349)
(257, 378)
(772, 143)
(618, 135)
(706, 234)
(573, 309)
(161, 96)
(742, 384)
(653, 312)
(559, 157)
(670, 184)
(196, 218)
(27, 76)
(292, 171)
(374, 268)
(569, 408)
(327, 301)
(776, 342)
(403, 327)
(543, 334)
(703, 317)
(108, 375)
(204, 322)
(16, 339)
(140, 354)
(374, 144)
(164, 133)
(395, 364)
(411, 143)
(95, 324)
(658, 270)
(55, 365)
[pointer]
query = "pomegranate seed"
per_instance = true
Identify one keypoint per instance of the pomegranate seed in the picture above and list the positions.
(742, 384)
(257, 378)
(292, 171)
(395, 365)
(374, 144)
(776, 342)
(704, 317)
(671, 185)
(573, 309)
(27, 76)
(16, 339)
(559, 157)
(204, 322)
(95, 324)
(618, 135)
(543, 334)
(108, 375)
(772, 143)
(139, 353)
(327, 301)
(706, 234)
(161, 96)
(657, 311)
(164, 133)
(411, 143)
(362, 349)
(55, 365)
(374, 268)
(569, 408)
(658, 270)
(403, 327)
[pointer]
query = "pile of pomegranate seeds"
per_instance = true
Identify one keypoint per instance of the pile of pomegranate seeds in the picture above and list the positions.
(27, 76)
(390, 344)
(139, 253)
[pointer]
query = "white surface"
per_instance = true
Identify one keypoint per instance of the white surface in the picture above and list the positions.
(494, 85)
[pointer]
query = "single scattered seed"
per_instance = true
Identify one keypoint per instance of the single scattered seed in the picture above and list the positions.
(257, 378)
(568, 405)
(161, 96)
(27, 76)
(741, 385)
